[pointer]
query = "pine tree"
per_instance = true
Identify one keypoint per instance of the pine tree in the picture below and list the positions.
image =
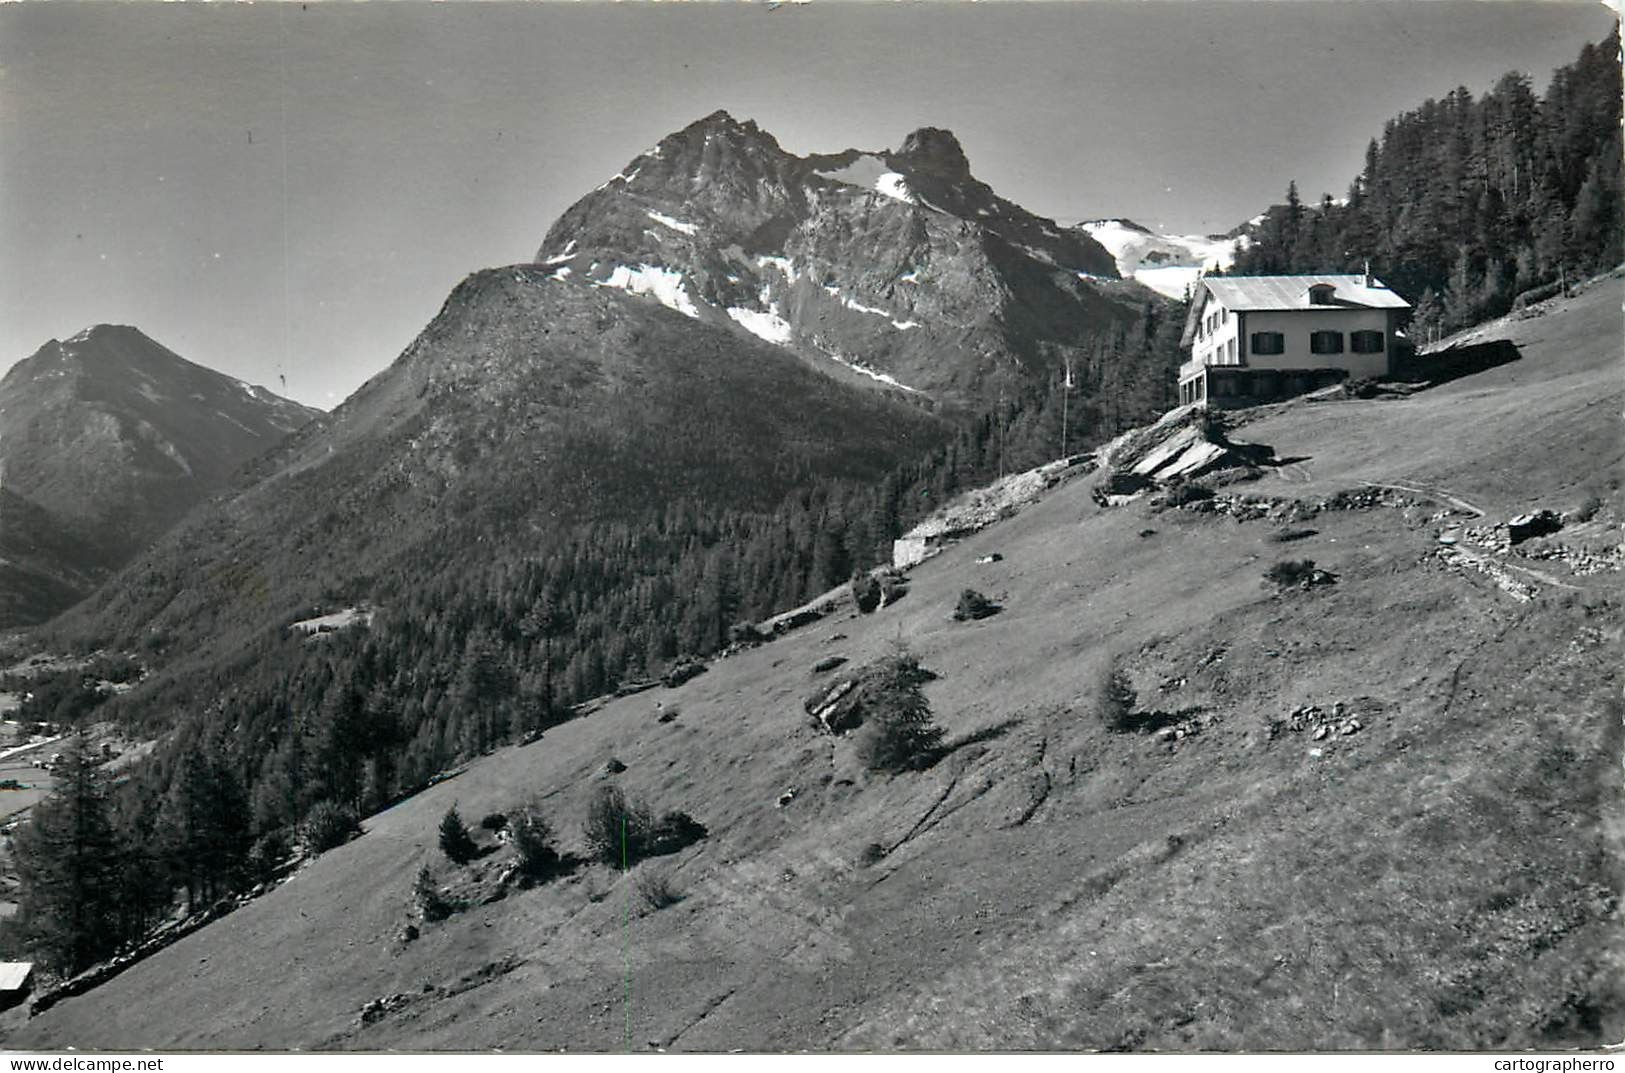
(68, 866)
(204, 824)
(533, 843)
(455, 841)
(898, 733)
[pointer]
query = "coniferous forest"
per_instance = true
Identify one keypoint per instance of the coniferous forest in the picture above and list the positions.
(1467, 202)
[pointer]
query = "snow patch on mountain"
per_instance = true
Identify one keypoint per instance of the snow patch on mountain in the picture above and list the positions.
(783, 264)
(663, 284)
(1174, 282)
(894, 185)
(675, 225)
(565, 255)
(873, 374)
(1168, 264)
(864, 172)
(620, 177)
(852, 303)
(764, 325)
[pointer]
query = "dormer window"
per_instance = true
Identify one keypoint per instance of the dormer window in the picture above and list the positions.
(1320, 294)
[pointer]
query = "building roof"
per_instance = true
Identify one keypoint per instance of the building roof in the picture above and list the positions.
(14, 974)
(1242, 293)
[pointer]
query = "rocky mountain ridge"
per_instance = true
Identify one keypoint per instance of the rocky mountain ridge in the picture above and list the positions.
(900, 265)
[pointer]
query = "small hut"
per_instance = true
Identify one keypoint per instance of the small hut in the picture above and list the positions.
(16, 980)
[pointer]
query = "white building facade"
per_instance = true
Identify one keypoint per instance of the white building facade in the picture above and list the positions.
(1254, 339)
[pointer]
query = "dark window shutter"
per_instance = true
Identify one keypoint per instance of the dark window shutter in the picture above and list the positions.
(1326, 342)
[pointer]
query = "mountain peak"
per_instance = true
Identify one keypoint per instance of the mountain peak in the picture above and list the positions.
(723, 122)
(111, 334)
(107, 438)
(721, 118)
(868, 263)
(934, 150)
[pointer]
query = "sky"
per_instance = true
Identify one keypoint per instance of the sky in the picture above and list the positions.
(287, 192)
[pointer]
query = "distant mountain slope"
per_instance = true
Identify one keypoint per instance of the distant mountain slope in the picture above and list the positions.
(1168, 264)
(900, 264)
(106, 440)
(527, 406)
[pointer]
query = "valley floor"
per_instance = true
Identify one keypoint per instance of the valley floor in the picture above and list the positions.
(1442, 875)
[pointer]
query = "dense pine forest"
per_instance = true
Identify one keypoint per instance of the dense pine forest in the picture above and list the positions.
(1466, 203)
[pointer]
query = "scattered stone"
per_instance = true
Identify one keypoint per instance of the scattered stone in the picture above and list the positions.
(379, 1008)
(1460, 561)
(973, 605)
(409, 933)
(1366, 498)
(828, 708)
(794, 620)
(613, 766)
(788, 796)
(995, 557)
(828, 663)
(1116, 488)
(682, 673)
(1320, 732)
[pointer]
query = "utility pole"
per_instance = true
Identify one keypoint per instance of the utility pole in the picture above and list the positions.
(1066, 394)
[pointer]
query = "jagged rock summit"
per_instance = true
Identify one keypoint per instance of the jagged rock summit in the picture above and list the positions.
(106, 439)
(898, 264)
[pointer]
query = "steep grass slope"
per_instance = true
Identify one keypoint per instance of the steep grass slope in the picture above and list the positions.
(1444, 876)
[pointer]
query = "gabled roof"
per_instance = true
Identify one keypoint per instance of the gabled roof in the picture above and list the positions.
(1243, 293)
(14, 974)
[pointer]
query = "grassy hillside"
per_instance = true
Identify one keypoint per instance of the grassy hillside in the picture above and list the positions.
(1443, 877)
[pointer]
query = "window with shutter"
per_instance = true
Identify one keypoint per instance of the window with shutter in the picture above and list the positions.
(1326, 342)
(1366, 342)
(1268, 343)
